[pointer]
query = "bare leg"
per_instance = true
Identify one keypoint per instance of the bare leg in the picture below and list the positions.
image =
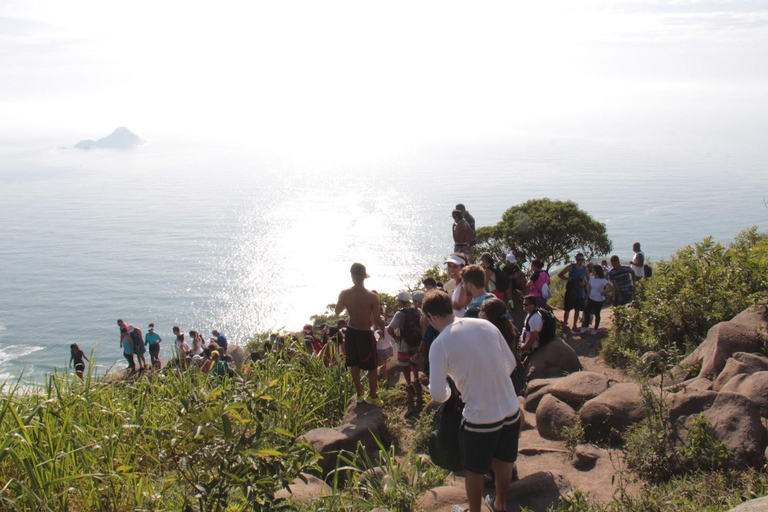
(503, 472)
(355, 371)
(373, 380)
(473, 484)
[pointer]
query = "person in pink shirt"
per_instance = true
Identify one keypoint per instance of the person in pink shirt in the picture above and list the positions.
(536, 283)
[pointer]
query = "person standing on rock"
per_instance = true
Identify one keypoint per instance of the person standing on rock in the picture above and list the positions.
(127, 346)
(638, 262)
(462, 235)
(575, 291)
(363, 308)
(474, 354)
(152, 340)
(471, 221)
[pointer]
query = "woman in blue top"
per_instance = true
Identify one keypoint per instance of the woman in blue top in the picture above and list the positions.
(575, 290)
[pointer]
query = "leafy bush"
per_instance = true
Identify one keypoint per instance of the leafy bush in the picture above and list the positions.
(700, 286)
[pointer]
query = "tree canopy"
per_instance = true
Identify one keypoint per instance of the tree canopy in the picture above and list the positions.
(545, 229)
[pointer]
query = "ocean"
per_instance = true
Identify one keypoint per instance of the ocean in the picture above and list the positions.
(237, 238)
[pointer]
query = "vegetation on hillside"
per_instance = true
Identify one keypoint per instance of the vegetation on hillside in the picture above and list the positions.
(701, 285)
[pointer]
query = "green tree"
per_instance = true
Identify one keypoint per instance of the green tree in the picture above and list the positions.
(545, 229)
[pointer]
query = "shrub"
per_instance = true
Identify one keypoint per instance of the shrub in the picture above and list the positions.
(700, 286)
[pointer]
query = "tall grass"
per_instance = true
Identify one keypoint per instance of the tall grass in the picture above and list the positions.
(168, 441)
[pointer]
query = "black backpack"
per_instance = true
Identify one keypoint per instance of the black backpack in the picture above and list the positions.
(548, 328)
(647, 270)
(444, 439)
(502, 280)
(411, 330)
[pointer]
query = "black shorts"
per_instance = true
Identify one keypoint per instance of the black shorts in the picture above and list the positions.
(575, 303)
(154, 350)
(361, 349)
(79, 367)
(480, 444)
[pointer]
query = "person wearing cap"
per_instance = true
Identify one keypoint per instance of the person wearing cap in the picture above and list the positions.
(220, 340)
(311, 343)
(152, 339)
(459, 297)
(471, 221)
(405, 327)
(575, 290)
(462, 234)
(362, 306)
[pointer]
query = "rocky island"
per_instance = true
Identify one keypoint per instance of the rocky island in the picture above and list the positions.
(121, 138)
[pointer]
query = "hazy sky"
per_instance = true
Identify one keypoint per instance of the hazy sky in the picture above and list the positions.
(327, 70)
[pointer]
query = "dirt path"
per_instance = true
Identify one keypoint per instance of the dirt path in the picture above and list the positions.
(537, 454)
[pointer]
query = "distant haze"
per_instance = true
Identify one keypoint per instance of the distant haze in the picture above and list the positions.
(331, 75)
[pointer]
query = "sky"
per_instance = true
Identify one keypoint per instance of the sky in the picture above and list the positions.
(318, 72)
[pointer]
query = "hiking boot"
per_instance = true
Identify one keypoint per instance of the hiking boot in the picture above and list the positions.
(374, 400)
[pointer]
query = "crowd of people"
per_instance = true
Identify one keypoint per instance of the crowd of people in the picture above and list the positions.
(188, 349)
(464, 336)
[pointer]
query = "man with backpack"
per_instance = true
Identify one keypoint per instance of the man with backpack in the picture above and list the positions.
(474, 354)
(539, 326)
(405, 327)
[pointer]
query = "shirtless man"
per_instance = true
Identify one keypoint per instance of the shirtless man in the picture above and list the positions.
(363, 308)
(462, 235)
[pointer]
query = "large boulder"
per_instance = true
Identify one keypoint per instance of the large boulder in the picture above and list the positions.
(535, 391)
(744, 333)
(735, 421)
(577, 388)
(238, 356)
(740, 362)
(753, 386)
(553, 416)
(306, 488)
(618, 407)
(756, 505)
(361, 423)
(555, 359)
(538, 491)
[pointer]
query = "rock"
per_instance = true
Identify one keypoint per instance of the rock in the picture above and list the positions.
(552, 416)
(121, 138)
(441, 498)
(527, 423)
(538, 491)
(555, 359)
(361, 423)
(375, 474)
(577, 388)
(756, 505)
(753, 386)
(697, 384)
(535, 391)
(585, 457)
(740, 362)
(618, 407)
(735, 421)
(238, 355)
(744, 333)
(308, 491)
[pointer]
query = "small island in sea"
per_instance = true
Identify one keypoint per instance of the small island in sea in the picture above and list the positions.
(121, 138)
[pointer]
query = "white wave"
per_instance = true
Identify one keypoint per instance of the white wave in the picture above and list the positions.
(13, 352)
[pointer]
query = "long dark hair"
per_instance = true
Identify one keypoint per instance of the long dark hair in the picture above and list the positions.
(496, 312)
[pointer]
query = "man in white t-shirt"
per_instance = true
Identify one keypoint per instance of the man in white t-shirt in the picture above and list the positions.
(474, 354)
(638, 262)
(529, 339)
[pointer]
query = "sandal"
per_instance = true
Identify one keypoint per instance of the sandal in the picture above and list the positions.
(459, 508)
(489, 503)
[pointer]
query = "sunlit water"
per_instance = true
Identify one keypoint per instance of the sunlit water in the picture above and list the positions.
(228, 237)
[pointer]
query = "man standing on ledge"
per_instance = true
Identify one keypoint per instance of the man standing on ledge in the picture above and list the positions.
(462, 235)
(471, 220)
(474, 354)
(363, 308)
